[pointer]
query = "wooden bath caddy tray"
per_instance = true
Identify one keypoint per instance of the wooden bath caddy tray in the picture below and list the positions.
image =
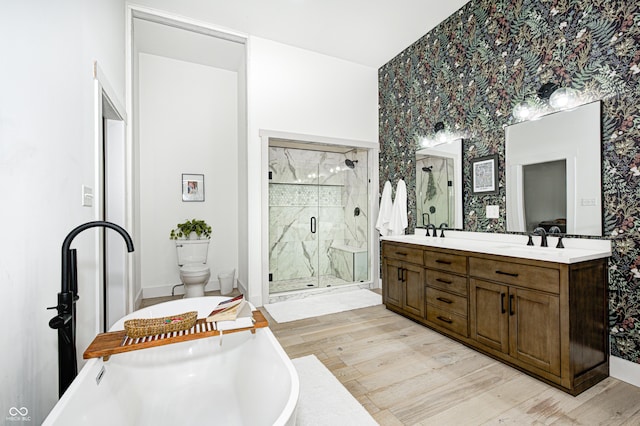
(116, 342)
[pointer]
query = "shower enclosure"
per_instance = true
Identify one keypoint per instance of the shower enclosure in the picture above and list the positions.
(435, 195)
(318, 217)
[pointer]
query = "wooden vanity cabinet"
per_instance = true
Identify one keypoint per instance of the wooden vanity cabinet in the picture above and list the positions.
(403, 275)
(447, 292)
(547, 319)
(521, 323)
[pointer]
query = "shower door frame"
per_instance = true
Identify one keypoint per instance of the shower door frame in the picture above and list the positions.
(373, 246)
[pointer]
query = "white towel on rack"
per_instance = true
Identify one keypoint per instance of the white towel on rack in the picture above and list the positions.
(384, 214)
(399, 222)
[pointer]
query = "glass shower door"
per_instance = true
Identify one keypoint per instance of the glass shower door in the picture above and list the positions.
(293, 222)
(318, 218)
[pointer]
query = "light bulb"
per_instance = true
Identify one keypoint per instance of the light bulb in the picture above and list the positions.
(523, 110)
(564, 97)
(442, 136)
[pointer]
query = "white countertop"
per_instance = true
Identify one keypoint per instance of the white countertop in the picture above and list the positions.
(576, 249)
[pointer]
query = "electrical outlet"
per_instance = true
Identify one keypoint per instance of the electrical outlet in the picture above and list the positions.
(588, 201)
(493, 212)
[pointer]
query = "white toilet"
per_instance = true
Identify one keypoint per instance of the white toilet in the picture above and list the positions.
(194, 272)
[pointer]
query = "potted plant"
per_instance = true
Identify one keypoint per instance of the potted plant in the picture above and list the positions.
(186, 229)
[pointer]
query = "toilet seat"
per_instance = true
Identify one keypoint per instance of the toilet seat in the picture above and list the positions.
(194, 269)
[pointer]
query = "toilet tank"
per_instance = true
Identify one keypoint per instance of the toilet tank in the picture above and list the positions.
(192, 251)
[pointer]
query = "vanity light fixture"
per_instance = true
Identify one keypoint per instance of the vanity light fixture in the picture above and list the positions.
(440, 136)
(548, 98)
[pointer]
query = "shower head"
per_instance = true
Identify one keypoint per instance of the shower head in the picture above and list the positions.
(350, 164)
(427, 169)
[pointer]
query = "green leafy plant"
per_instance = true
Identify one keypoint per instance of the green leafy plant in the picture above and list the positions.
(184, 230)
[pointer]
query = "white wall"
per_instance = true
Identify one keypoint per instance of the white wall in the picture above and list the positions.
(297, 91)
(188, 124)
(46, 154)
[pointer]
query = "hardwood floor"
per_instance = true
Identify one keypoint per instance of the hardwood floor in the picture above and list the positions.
(406, 374)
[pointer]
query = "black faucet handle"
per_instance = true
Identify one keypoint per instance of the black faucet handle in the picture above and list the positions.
(560, 245)
(59, 307)
(59, 321)
(530, 242)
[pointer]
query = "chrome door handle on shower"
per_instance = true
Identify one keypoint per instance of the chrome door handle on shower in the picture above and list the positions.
(313, 225)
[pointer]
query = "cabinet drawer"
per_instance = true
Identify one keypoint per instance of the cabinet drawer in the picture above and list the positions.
(447, 301)
(446, 262)
(444, 319)
(528, 276)
(401, 252)
(447, 282)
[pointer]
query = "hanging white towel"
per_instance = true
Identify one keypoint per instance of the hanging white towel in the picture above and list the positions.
(399, 222)
(384, 215)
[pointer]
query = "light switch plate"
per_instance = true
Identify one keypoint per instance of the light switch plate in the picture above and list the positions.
(493, 212)
(87, 196)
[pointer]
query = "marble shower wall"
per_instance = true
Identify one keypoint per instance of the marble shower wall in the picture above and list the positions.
(472, 69)
(318, 184)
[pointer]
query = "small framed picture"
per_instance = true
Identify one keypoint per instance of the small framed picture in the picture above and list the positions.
(484, 175)
(192, 187)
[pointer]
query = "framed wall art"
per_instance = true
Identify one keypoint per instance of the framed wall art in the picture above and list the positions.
(192, 187)
(484, 175)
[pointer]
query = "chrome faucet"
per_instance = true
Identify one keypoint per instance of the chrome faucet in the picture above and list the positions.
(443, 226)
(543, 234)
(65, 321)
(432, 226)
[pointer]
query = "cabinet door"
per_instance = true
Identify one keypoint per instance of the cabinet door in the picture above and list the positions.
(534, 324)
(392, 282)
(489, 318)
(414, 289)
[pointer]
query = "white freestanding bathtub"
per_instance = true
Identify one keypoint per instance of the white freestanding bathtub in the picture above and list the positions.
(248, 380)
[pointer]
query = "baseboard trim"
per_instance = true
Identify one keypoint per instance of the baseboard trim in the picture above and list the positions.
(242, 288)
(624, 370)
(165, 290)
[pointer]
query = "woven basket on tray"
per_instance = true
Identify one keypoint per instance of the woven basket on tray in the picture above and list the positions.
(136, 328)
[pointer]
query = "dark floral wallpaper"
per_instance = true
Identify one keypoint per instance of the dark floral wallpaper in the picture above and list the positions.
(472, 69)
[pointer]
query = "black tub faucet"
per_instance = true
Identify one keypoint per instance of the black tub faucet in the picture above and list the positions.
(65, 321)
(543, 234)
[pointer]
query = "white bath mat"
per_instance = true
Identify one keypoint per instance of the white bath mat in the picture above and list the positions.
(314, 306)
(323, 400)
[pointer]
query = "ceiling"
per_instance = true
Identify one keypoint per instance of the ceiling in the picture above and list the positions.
(368, 32)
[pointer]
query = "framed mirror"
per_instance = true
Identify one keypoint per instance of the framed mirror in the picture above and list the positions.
(553, 172)
(439, 185)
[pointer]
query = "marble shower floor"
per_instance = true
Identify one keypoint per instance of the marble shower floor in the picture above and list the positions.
(304, 283)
